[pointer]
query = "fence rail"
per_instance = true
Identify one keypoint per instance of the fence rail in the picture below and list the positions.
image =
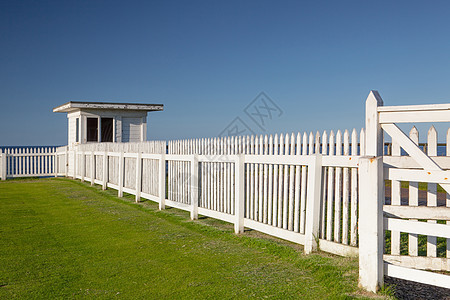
(27, 162)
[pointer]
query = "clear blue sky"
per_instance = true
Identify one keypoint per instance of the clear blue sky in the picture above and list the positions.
(206, 60)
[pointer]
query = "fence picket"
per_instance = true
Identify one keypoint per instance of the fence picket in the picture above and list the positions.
(413, 198)
(432, 190)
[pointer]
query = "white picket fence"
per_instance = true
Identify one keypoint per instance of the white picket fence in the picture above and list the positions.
(325, 190)
(27, 162)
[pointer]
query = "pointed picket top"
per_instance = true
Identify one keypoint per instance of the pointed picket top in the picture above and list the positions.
(317, 142)
(299, 144)
(252, 144)
(339, 142)
(325, 143)
(286, 144)
(346, 143)
(362, 142)
(374, 98)
(266, 144)
(331, 143)
(414, 135)
(275, 142)
(305, 144)
(270, 145)
(256, 145)
(311, 144)
(281, 144)
(247, 145)
(432, 141)
(292, 150)
(261, 144)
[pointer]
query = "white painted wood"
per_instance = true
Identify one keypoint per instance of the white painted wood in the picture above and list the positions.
(291, 176)
(239, 194)
(265, 181)
(417, 212)
(432, 188)
(371, 232)
(275, 185)
(395, 200)
(345, 192)
(419, 262)
(330, 190)
(138, 177)
(442, 230)
(338, 191)
(121, 174)
(194, 187)
(413, 198)
(303, 188)
(296, 186)
(417, 275)
(3, 165)
(286, 186)
(275, 231)
(270, 201)
(105, 171)
(338, 249)
(425, 107)
(313, 204)
(374, 134)
(442, 177)
(447, 147)
(162, 181)
(216, 215)
(414, 116)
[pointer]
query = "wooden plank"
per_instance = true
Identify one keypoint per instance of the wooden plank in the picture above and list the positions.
(296, 187)
(338, 191)
(395, 200)
(441, 230)
(432, 189)
(275, 231)
(424, 107)
(413, 248)
(414, 116)
(433, 176)
(338, 249)
(345, 192)
(417, 275)
(417, 212)
(419, 262)
(330, 191)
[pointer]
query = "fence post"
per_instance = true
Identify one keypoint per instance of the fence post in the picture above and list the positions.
(55, 163)
(313, 204)
(239, 206)
(371, 233)
(3, 170)
(66, 170)
(75, 164)
(83, 166)
(138, 176)
(374, 133)
(105, 171)
(93, 165)
(194, 187)
(121, 163)
(162, 182)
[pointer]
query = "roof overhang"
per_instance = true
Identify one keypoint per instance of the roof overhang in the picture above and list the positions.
(78, 105)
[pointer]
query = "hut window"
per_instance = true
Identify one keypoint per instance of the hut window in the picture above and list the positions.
(92, 129)
(107, 129)
(77, 130)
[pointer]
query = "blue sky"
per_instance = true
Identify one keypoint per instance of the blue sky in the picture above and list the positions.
(207, 60)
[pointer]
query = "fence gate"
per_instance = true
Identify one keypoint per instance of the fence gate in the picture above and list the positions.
(412, 223)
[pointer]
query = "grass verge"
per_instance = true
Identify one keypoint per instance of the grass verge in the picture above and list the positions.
(64, 239)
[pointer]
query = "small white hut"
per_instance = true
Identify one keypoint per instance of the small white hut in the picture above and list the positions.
(94, 122)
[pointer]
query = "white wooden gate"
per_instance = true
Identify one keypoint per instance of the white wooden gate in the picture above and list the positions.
(377, 218)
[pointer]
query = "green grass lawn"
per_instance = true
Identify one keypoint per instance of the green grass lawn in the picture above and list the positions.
(64, 239)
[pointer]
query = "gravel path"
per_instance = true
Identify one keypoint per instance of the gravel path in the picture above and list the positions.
(404, 289)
